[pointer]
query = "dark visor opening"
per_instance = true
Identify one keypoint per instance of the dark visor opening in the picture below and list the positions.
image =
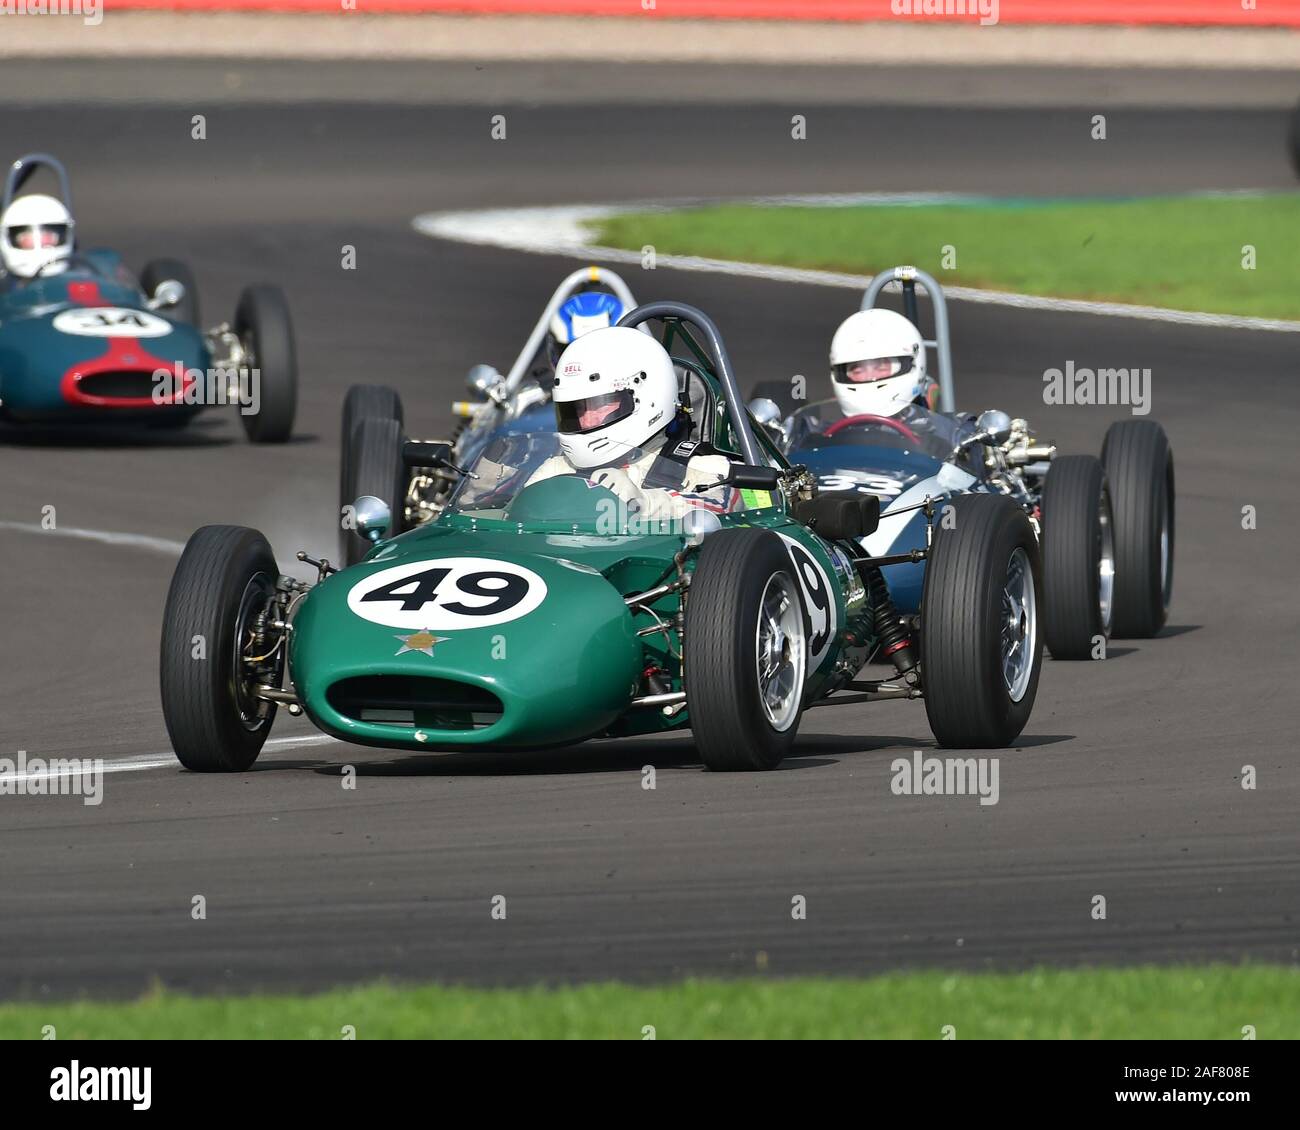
(594, 412)
(898, 366)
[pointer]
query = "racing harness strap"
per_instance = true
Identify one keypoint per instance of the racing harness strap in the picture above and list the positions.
(668, 471)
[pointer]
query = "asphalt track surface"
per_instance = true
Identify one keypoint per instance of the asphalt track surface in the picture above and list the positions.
(1125, 783)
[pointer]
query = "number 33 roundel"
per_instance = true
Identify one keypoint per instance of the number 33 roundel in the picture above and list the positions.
(455, 592)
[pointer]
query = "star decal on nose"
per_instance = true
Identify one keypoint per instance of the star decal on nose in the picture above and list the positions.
(422, 641)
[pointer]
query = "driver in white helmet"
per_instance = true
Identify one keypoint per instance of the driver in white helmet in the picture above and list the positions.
(36, 236)
(882, 387)
(878, 365)
(618, 421)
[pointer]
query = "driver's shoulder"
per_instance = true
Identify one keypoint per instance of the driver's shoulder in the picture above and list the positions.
(550, 468)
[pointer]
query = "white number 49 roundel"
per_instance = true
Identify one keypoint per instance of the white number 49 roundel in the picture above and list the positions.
(455, 592)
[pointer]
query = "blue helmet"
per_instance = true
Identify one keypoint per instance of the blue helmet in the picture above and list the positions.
(582, 313)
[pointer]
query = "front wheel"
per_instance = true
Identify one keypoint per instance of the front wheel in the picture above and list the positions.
(377, 469)
(362, 402)
(224, 582)
(1078, 557)
(981, 643)
(745, 651)
(265, 331)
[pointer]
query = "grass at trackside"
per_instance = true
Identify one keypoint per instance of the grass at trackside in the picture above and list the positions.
(1202, 1002)
(1184, 253)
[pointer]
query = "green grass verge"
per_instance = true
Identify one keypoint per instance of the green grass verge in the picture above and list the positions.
(1183, 253)
(1202, 1002)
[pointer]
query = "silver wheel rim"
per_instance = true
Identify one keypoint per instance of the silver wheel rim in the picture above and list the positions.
(780, 652)
(1019, 625)
(253, 711)
(1105, 564)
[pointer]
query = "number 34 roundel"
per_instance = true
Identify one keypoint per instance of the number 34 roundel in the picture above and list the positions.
(455, 592)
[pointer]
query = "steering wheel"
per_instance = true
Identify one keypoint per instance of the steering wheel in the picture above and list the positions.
(884, 421)
(70, 263)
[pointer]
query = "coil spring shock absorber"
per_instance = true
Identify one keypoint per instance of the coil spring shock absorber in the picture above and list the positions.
(656, 680)
(895, 643)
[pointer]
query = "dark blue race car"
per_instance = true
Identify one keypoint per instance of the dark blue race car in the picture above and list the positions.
(1106, 526)
(84, 341)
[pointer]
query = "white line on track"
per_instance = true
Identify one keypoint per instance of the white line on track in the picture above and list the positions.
(139, 762)
(106, 537)
(566, 229)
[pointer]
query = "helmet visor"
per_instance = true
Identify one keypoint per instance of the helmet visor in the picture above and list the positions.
(595, 412)
(872, 369)
(31, 237)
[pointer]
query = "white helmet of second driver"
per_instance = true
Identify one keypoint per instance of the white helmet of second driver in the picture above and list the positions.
(615, 392)
(35, 232)
(878, 364)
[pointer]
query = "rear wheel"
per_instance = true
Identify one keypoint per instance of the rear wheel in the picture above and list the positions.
(362, 402)
(745, 651)
(224, 581)
(378, 470)
(1078, 557)
(265, 331)
(159, 270)
(1140, 468)
(981, 643)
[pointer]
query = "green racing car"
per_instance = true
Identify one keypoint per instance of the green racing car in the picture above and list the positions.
(537, 610)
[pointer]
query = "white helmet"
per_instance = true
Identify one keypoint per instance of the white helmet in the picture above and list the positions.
(878, 364)
(615, 391)
(35, 231)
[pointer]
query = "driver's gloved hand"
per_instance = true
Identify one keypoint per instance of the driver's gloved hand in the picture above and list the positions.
(616, 480)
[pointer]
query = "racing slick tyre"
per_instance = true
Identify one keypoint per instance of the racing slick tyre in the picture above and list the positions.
(377, 469)
(745, 651)
(1140, 468)
(222, 583)
(361, 402)
(1078, 557)
(981, 642)
(187, 309)
(265, 330)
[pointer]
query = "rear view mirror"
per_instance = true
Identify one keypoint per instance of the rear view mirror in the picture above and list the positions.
(166, 294)
(482, 380)
(425, 453)
(842, 515)
(767, 415)
(747, 477)
(765, 411)
(373, 517)
(995, 425)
